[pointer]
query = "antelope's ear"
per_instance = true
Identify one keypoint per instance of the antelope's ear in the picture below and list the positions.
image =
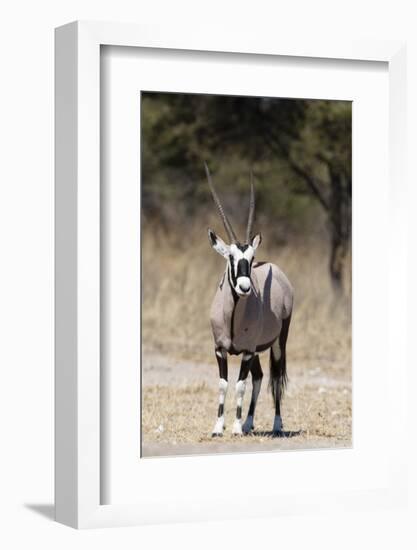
(256, 241)
(218, 244)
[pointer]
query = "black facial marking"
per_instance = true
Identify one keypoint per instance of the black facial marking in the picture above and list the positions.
(242, 247)
(232, 271)
(243, 268)
(213, 238)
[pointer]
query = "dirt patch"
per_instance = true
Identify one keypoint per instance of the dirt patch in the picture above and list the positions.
(180, 403)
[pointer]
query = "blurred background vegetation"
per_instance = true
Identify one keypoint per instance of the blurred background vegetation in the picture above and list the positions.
(298, 149)
(300, 154)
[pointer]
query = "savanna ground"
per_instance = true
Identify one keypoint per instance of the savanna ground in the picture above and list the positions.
(179, 370)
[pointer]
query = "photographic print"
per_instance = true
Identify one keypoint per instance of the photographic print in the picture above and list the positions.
(245, 274)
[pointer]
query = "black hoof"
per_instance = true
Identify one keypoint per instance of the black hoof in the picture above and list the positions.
(216, 435)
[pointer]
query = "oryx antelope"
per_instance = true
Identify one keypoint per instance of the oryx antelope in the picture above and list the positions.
(250, 313)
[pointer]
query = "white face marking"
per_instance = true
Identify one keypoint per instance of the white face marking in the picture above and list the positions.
(243, 285)
(249, 253)
(239, 255)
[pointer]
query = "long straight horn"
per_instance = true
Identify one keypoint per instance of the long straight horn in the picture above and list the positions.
(251, 216)
(226, 223)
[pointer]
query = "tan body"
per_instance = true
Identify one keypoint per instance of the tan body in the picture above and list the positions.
(253, 323)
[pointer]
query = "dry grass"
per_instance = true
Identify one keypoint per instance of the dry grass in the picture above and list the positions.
(178, 416)
(179, 370)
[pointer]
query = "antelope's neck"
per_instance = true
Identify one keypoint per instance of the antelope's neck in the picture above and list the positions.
(241, 315)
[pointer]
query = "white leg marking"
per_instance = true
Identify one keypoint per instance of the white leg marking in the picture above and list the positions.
(237, 427)
(219, 425)
(240, 392)
(222, 390)
(277, 424)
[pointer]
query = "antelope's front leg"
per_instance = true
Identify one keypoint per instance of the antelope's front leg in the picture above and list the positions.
(240, 392)
(221, 356)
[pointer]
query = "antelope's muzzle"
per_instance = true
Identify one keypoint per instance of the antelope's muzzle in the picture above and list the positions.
(243, 286)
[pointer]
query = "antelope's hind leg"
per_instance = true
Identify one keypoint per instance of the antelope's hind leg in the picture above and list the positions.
(221, 356)
(278, 362)
(257, 374)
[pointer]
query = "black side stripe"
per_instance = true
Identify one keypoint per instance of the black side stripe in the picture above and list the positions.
(232, 286)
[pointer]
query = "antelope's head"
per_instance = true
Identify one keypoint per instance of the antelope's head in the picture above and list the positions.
(239, 256)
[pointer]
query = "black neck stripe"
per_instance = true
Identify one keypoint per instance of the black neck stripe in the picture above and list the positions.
(232, 271)
(232, 288)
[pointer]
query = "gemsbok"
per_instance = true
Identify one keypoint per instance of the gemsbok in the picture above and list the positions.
(250, 313)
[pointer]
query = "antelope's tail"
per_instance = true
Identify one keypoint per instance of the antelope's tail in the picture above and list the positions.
(277, 375)
(278, 365)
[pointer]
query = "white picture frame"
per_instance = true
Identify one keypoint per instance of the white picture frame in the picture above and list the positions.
(78, 404)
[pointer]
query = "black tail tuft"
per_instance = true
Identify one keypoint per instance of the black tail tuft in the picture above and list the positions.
(278, 375)
(278, 367)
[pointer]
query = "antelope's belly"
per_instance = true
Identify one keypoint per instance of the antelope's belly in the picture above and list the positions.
(241, 343)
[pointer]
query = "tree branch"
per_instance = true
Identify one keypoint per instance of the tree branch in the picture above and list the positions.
(275, 144)
(311, 182)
